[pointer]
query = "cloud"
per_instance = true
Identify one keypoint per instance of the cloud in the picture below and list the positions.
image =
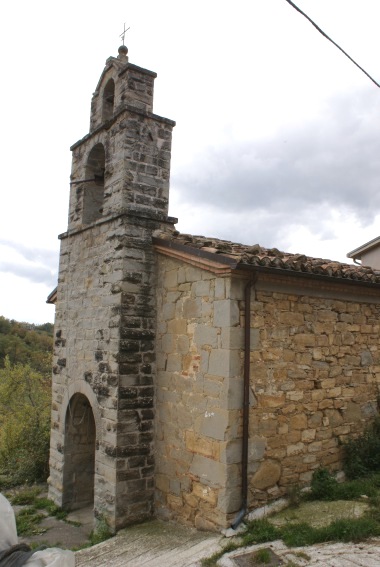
(42, 255)
(36, 274)
(298, 177)
(34, 264)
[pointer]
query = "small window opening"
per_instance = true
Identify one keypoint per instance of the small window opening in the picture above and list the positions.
(94, 189)
(108, 100)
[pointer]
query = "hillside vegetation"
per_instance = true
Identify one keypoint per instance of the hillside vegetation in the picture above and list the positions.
(25, 398)
(25, 343)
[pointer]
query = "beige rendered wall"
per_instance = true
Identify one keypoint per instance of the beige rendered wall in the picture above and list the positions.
(371, 258)
(198, 397)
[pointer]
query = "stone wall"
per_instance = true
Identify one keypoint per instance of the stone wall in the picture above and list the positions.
(198, 397)
(315, 371)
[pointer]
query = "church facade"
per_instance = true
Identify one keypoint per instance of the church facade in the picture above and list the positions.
(194, 379)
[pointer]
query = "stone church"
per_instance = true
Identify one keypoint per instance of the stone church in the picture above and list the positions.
(194, 379)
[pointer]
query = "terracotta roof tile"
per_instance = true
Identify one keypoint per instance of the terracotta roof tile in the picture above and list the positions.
(256, 255)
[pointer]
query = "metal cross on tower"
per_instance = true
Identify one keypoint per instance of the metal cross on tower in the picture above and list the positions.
(122, 35)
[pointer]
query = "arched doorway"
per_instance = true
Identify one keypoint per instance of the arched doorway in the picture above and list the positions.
(79, 453)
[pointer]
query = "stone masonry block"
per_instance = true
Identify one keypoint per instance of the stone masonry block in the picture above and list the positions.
(205, 336)
(168, 311)
(219, 363)
(174, 363)
(226, 313)
(236, 363)
(211, 473)
(229, 500)
(183, 344)
(193, 274)
(177, 326)
(201, 445)
(235, 393)
(192, 308)
(201, 288)
(171, 279)
(230, 452)
(214, 424)
(168, 343)
(235, 288)
(256, 448)
(219, 288)
(205, 493)
(268, 475)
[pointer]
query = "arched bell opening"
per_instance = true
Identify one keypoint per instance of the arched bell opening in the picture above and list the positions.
(79, 461)
(94, 188)
(108, 100)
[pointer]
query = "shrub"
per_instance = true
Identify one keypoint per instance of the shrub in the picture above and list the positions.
(362, 455)
(323, 485)
(101, 532)
(24, 423)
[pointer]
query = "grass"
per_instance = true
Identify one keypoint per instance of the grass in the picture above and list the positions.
(27, 522)
(212, 560)
(301, 534)
(35, 509)
(262, 556)
(25, 496)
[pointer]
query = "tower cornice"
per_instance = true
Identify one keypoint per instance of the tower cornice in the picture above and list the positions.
(108, 124)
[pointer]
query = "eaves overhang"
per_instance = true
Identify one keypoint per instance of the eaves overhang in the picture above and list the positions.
(223, 264)
(201, 258)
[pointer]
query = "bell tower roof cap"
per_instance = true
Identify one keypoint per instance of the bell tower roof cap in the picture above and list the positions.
(123, 53)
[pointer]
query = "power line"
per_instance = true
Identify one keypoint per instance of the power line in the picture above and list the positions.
(332, 41)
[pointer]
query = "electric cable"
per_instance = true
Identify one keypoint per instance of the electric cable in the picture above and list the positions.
(332, 41)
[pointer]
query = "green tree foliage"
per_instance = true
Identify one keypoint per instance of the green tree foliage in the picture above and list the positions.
(25, 397)
(25, 343)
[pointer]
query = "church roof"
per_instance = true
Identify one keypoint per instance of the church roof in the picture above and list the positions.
(266, 259)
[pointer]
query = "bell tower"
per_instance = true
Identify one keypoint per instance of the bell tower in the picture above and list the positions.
(104, 359)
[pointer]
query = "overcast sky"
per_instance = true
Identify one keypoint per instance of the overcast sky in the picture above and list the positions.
(277, 139)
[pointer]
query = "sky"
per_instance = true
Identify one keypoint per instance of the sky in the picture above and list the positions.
(277, 139)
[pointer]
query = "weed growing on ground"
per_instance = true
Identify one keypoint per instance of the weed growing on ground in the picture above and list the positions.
(51, 508)
(263, 556)
(101, 532)
(294, 496)
(362, 455)
(302, 555)
(302, 534)
(27, 521)
(26, 496)
(211, 561)
(323, 485)
(28, 518)
(260, 531)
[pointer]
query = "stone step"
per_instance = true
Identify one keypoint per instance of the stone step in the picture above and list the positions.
(152, 544)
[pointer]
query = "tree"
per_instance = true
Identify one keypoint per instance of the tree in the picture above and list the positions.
(26, 343)
(25, 396)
